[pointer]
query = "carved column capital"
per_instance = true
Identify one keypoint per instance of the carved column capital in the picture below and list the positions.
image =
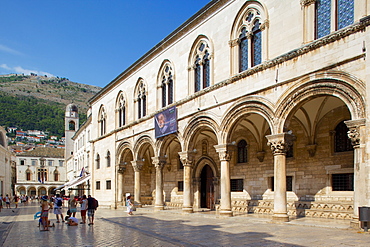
(354, 131)
(265, 25)
(137, 165)
(223, 152)
(186, 158)
(159, 162)
(280, 143)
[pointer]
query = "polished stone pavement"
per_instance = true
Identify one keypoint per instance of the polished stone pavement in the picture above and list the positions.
(171, 228)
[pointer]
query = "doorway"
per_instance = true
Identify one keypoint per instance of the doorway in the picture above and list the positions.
(207, 199)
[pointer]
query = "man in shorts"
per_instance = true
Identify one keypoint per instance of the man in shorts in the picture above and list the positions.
(91, 207)
(58, 208)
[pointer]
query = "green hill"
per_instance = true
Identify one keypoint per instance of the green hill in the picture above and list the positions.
(39, 102)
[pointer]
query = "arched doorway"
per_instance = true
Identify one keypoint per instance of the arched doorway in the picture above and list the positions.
(207, 198)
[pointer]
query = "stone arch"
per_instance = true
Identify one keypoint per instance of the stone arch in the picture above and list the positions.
(196, 124)
(141, 143)
(338, 84)
(246, 106)
(122, 150)
(201, 163)
(21, 190)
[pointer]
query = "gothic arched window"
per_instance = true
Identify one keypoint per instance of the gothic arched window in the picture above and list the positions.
(166, 85)
(72, 125)
(250, 31)
(97, 161)
(242, 152)
(108, 159)
(141, 93)
(102, 121)
(200, 65)
(341, 141)
(56, 175)
(28, 175)
(121, 110)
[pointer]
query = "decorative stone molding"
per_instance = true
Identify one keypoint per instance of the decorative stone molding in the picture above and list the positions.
(305, 3)
(261, 155)
(354, 131)
(265, 25)
(311, 149)
(234, 42)
(280, 143)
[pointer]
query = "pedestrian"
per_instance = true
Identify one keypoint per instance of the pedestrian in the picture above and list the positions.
(72, 221)
(72, 205)
(45, 207)
(7, 201)
(92, 205)
(58, 204)
(129, 205)
(16, 200)
(83, 203)
(1, 202)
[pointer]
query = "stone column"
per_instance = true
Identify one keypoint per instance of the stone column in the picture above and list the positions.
(225, 203)
(159, 163)
(187, 161)
(137, 165)
(121, 169)
(280, 144)
(356, 133)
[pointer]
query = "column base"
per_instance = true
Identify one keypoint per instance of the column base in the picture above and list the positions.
(226, 213)
(187, 210)
(158, 208)
(355, 224)
(280, 218)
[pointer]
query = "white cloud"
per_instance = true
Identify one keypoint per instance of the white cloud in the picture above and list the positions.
(20, 70)
(9, 50)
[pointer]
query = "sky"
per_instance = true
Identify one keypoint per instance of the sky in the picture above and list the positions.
(86, 41)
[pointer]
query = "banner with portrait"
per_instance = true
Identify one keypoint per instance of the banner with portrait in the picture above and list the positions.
(165, 122)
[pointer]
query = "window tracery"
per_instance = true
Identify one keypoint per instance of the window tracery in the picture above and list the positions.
(141, 95)
(121, 111)
(102, 121)
(200, 65)
(167, 85)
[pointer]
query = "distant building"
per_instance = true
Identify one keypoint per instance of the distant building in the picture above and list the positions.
(6, 172)
(40, 171)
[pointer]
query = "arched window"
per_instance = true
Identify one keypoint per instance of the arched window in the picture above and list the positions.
(28, 175)
(341, 141)
(72, 125)
(167, 85)
(97, 161)
(242, 152)
(202, 65)
(42, 175)
(121, 110)
(344, 16)
(56, 176)
(102, 121)
(141, 94)
(250, 31)
(108, 159)
(248, 41)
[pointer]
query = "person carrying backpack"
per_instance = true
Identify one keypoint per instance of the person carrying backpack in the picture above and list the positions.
(58, 204)
(92, 205)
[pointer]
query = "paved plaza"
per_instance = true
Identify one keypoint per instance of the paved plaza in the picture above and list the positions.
(171, 228)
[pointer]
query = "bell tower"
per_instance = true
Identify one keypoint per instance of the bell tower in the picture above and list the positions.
(71, 125)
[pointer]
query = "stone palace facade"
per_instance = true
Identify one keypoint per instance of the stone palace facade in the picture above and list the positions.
(249, 106)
